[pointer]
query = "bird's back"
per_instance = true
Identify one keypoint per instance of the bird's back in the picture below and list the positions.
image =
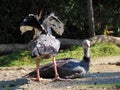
(45, 46)
(49, 40)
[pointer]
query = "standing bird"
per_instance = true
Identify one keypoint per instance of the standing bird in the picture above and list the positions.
(44, 44)
(68, 68)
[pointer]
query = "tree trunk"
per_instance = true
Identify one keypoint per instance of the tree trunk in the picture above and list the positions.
(91, 18)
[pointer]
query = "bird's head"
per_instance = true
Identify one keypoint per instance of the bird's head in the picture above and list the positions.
(86, 44)
(29, 23)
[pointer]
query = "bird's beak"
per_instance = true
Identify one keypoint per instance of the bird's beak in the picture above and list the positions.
(24, 29)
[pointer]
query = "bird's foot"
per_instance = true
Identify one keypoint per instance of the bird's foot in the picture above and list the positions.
(58, 79)
(37, 79)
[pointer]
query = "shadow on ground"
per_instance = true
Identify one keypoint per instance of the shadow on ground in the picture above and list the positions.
(91, 79)
(13, 84)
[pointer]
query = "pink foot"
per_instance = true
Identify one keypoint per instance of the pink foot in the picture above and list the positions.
(58, 79)
(37, 79)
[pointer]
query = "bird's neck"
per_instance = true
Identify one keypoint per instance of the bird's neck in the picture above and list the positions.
(47, 26)
(86, 52)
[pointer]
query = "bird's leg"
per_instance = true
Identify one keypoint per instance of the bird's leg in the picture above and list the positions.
(37, 71)
(55, 69)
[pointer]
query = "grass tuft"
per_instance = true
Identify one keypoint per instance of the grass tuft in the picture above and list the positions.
(23, 58)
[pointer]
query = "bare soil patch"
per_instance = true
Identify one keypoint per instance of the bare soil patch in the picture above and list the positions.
(102, 71)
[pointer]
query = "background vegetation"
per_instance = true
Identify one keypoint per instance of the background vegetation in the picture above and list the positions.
(23, 58)
(73, 14)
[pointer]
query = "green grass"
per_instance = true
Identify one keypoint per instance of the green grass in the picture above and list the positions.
(23, 58)
(105, 49)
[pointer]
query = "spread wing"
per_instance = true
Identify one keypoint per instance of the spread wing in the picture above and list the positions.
(31, 22)
(55, 24)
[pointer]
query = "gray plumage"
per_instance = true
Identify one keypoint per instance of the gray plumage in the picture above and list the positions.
(45, 46)
(68, 67)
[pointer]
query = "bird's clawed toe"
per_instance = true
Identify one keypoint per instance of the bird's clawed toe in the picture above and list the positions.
(37, 79)
(58, 79)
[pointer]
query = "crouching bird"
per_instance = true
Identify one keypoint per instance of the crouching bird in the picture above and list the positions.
(44, 44)
(68, 68)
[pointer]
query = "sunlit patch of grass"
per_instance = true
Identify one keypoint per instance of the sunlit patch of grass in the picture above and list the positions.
(117, 86)
(104, 49)
(23, 58)
(74, 52)
(18, 58)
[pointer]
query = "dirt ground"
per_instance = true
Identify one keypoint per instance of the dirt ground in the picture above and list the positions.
(103, 70)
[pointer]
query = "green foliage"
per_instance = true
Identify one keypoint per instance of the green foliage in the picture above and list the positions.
(74, 52)
(73, 14)
(104, 49)
(16, 59)
(107, 13)
(117, 86)
(22, 58)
